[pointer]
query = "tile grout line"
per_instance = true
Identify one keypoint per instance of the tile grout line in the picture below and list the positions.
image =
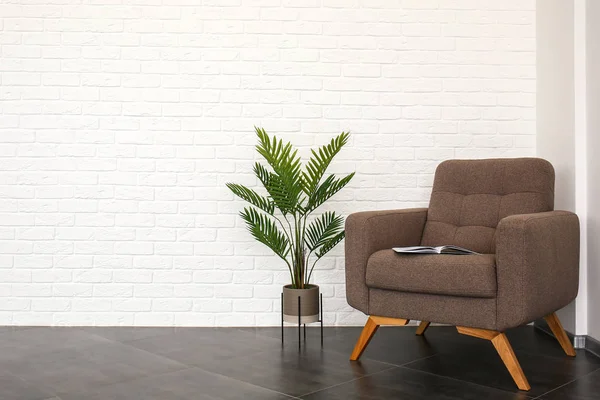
(525, 350)
(567, 383)
(349, 381)
(506, 391)
(120, 382)
(111, 341)
(185, 366)
(133, 340)
(462, 381)
(244, 382)
(192, 366)
(392, 366)
(36, 386)
(278, 338)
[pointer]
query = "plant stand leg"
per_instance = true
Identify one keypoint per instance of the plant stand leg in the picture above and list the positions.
(299, 323)
(321, 307)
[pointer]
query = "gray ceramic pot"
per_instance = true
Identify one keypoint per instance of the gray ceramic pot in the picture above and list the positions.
(309, 302)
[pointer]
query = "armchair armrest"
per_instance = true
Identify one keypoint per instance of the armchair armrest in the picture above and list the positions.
(371, 231)
(537, 261)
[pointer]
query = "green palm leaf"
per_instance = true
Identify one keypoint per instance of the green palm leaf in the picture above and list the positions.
(252, 197)
(322, 229)
(265, 231)
(320, 160)
(325, 248)
(285, 183)
(278, 191)
(330, 186)
(261, 173)
(330, 244)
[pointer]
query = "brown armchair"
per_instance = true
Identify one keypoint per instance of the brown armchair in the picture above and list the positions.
(502, 208)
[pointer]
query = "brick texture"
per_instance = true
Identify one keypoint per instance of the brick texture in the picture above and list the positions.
(121, 121)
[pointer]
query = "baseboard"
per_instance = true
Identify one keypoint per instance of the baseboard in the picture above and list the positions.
(592, 345)
(579, 341)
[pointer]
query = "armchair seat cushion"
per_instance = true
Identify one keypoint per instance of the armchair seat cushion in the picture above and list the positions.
(463, 276)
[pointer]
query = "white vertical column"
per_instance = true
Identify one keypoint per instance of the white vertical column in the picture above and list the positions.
(555, 109)
(581, 172)
(592, 56)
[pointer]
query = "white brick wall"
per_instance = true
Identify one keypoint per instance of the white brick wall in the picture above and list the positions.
(121, 121)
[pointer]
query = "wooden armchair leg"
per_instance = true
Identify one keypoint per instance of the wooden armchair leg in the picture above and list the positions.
(560, 334)
(504, 349)
(509, 358)
(373, 323)
(422, 328)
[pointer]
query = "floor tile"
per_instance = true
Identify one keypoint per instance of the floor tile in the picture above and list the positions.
(524, 339)
(585, 388)
(16, 388)
(13, 328)
(251, 363)
(483, 366)
(127, 334)
(402, 383)
(393, 345)
(534, 341)
(206, 345)
(27, 343)
(288, 370)
(190, 384)
(78, 370)
(313, 333)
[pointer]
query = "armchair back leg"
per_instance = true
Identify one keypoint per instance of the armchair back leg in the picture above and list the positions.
(422, 328)
(373, 323)
(560, 334)
(504, 349)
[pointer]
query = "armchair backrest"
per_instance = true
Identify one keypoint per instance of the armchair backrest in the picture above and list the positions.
(470, 197)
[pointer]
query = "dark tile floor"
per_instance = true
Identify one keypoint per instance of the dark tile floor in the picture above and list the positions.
(251, 363)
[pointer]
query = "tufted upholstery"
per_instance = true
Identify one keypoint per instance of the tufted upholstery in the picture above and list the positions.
(470, 197)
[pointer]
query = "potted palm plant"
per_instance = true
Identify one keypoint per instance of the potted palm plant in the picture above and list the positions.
(284, 218)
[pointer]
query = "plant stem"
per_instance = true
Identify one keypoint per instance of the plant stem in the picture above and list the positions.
(311, 270)
(287, 235)
(299, 250)
(292, 253)
(305, 260)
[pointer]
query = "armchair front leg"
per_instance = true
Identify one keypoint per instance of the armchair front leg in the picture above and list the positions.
(505, 351)
(366, 233)
(373, 323)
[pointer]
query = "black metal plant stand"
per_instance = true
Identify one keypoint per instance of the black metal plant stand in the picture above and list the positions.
(320, 320)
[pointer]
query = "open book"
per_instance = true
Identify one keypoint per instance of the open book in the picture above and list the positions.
(433, 250)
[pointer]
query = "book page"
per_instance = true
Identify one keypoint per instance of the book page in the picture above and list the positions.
(416, 250)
